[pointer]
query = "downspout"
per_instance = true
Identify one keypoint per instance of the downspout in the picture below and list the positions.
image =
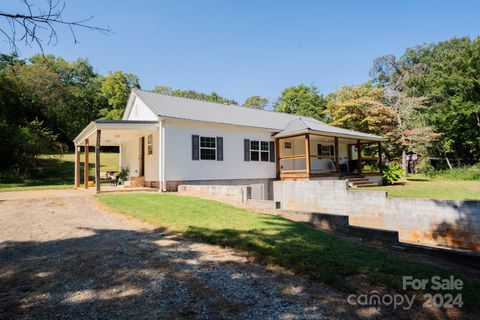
(162, 155)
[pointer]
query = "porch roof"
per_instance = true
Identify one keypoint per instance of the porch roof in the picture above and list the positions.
(304, 125)
(114, 132)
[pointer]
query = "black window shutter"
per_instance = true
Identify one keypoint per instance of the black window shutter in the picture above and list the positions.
(246, 150)
(319, 149)
(219, 149)
(195, 147)
(332, 151)
(272, 151)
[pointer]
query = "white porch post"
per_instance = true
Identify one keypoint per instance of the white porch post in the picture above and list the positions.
(162, 155)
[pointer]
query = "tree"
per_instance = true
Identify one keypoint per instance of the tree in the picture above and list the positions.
(31, 26)
(302, 100)
(45, 101)
(212, 97)
(446, 77)
(256, 102)
(380, 111)
(116, 89)
(360, 108)
(162, 90)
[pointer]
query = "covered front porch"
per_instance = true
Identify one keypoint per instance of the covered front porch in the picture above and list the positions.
(135, 142)
(314, 154)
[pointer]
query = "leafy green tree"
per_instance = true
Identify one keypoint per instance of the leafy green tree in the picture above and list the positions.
(302, 100)
(212, 97)
(446, 75)
(256, 102)
(116, 89)
(44, 101)
(376, 110)
(162, 90)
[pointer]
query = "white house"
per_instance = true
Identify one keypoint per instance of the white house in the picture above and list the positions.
(166, 141)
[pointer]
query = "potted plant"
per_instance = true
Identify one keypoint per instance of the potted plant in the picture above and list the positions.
(123, 175)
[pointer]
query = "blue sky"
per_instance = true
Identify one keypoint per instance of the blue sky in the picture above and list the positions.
(244, 48)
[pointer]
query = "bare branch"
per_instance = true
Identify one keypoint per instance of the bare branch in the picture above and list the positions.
(27, 27)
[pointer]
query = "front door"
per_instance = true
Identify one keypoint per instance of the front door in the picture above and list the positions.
(141, 165)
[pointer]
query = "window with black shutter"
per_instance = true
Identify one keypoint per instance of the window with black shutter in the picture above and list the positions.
(259, 150)
(208, 148)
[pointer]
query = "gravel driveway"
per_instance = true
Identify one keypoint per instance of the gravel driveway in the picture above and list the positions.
(63, 256)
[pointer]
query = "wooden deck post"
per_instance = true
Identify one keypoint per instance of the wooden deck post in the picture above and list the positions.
(349, 152)
(86, 164)
(337, 163)
(277, 157)
(77, 166)
(307, 153)
(359, 156)
(380, 159)
(97, 161)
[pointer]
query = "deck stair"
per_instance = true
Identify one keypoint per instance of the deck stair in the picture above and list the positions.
(360, 182)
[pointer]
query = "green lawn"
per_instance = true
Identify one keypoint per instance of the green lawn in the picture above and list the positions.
(292, 245)
(57, 172)
(437, 188)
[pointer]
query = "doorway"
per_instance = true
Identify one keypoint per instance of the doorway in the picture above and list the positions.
(141, 165)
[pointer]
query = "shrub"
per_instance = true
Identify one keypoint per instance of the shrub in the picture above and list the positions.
(392, 174)
(460, 173)
(425, 167)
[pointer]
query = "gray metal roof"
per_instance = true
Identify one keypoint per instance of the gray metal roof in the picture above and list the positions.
(191, 109)
(302, 124)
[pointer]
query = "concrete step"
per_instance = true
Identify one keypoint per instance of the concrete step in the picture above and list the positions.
(358, 179)
(367, 185)
(349, 177)
(358, 183)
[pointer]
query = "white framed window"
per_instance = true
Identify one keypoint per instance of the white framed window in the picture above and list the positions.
(208, 148)
(149, 144)
(325, 150)
(259, 150)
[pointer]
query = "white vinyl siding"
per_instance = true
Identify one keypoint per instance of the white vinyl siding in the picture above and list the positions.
(140, 111)
(178, 149)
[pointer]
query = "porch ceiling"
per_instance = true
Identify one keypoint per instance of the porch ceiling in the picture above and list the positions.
(116, 132)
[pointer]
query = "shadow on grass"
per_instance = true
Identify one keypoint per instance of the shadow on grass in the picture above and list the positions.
(418, 179)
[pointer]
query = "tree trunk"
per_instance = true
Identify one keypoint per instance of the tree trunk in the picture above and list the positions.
(448, 162)
(404, 159)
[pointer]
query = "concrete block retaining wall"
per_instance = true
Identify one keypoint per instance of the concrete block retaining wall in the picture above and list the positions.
(234, 194)
(454, 224)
